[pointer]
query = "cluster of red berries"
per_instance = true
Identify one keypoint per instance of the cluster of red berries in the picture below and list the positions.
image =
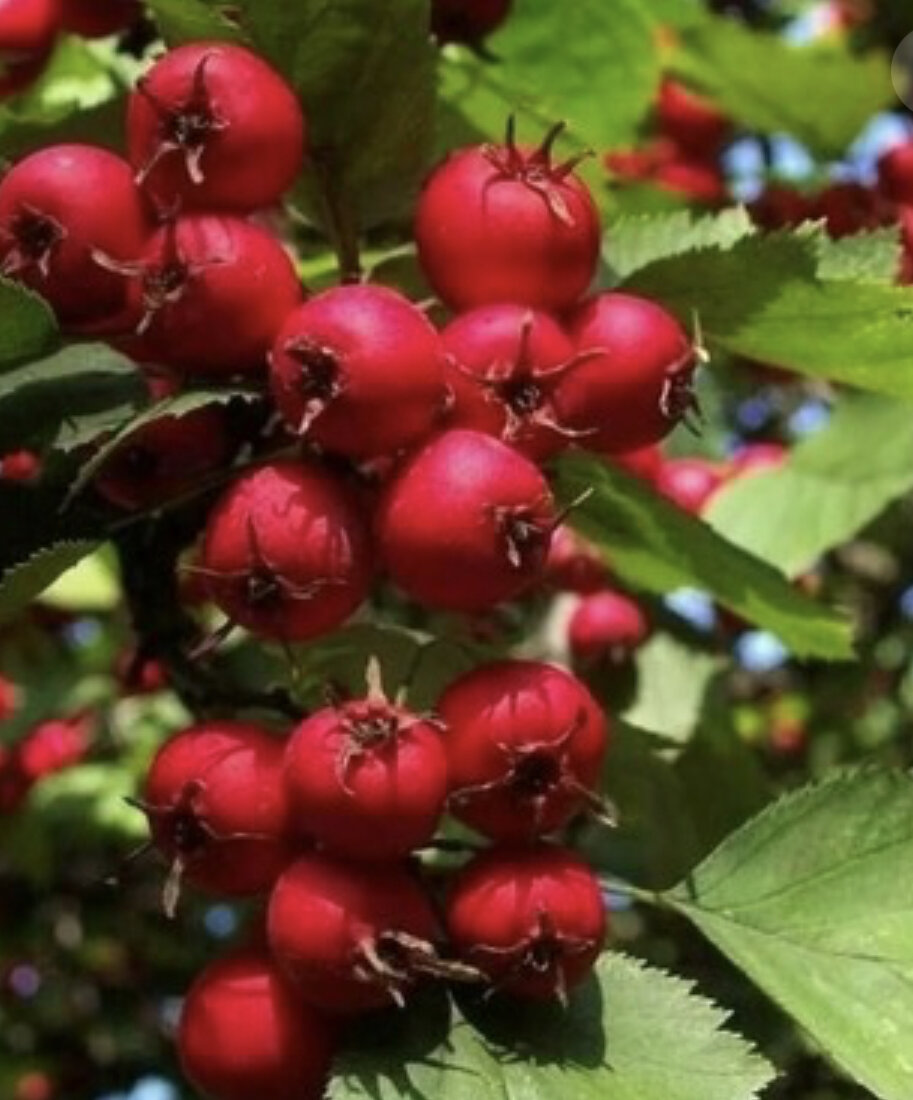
(684, 156)
(29, 30)
(329, 822)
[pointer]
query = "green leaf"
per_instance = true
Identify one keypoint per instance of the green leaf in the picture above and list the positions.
(872, 257)
(29, 328)
(652, 544)
(20, 585)
(763, 299)
(189, 20)
(100, 124)
(365, 72)
(634, 242)
(68, 399)
(631, 1033)
(91, 585)
(813, 900)
(832, 486)
(672, 680)
(734, 66)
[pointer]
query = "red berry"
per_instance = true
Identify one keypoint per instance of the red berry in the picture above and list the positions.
(28, 30)
(697, 180)
(525, 743)
(9, 698)
(691, 120)
(53, 227)
(286, 553)
(691, 482)
(55, 745)
(504, 362)
(20, 466)
(244, 1033)
(574, 564)
(217, 809)
(644, 462)
(606, 625)
(359, 369)
(98, 18)
(467, 21)
(780, 206)
(466, 524)
(758, 456)
(638, 387)
(506, 224)
(14, 783)
(35, 1086)
(367, 779)
(214, 126)
(848, 208)
(211, 292)
(165, 459)
(533, 920)
(352, 936)
(138, 675)
(895, 173)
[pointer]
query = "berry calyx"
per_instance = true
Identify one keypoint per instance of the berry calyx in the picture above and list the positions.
(217, 809)
(525, 744)
(351, 936)
(606, 626)
(466, 523)
(639, 386)
(359, 370)
(504, 223)
(209, 293)
(532, 920)
(52, 228)
(503, 365)
(285, 552)
(367, 778)
(244, 1032)
(214, 126)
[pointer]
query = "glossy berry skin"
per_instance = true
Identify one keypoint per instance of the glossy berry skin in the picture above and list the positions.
(532, 919)
(895, 174)
(466, 523)
(503, 362)
(691, 121)
(286, 554)
(214, 126)
(525, 743)
(504, 224)
(209, 293)
(244, 1033)
(28, 31)
(691, 482)
(574, 564)
(52, 225)
(20, 466)
(359, 370)
(606, 626)
(164, 459)
(638, 387)
(217, 808)
(343, 932)
(98, 18)
(367, 779)
(467, 21)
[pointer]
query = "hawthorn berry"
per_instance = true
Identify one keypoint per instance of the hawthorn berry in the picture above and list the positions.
(245, 1033)
(574, 564)
(98, 18)
(532, 919)
(691, 120)
(643, 462)
(20, 466)
(9, 698)
(691, 482)
(53, 227)
(209, 293)
(466, 523)
(367, 778)
(638, 386)
(359, 370)
(467, 21)
(285, 552)
(895, 173)
(54, 745)
(217, 809)
(214, 126)
(606, 625)
(164, 459)
(503, 363)
(352, 936)
(28, 31)
(758, 456)
(504, 223)
(525, 744)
